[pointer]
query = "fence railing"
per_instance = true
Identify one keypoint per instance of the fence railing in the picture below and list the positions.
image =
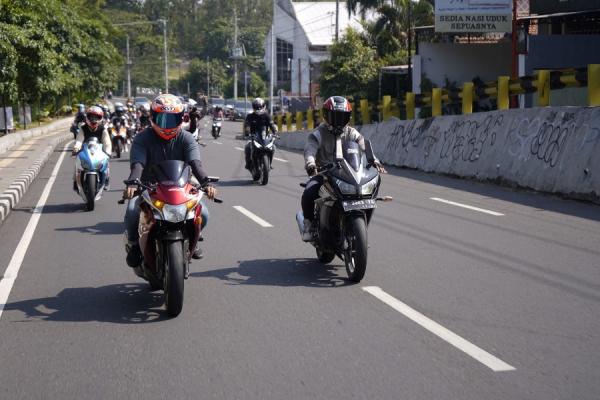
(542, 83)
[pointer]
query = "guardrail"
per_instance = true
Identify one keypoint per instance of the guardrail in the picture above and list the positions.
(543, 82)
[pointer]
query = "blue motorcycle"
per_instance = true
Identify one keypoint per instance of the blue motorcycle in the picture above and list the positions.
(91, 172)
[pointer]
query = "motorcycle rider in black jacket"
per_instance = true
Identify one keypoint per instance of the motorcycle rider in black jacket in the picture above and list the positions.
(255, 122)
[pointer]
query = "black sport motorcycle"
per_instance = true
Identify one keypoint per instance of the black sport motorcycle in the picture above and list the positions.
(347, 200)
(262, 149)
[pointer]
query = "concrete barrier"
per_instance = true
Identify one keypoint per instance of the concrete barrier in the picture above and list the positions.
(13, 139)
(553, 149)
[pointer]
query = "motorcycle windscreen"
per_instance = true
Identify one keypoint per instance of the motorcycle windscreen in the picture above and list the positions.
(171, 173)
(352, 153)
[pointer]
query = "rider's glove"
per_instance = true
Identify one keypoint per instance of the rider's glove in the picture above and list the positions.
(311, 169)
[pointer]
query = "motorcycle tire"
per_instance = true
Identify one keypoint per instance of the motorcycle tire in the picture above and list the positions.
(325, 257)
(118, 149)
(90, 192)
(266, 167)
(173, 278)
(356, 256)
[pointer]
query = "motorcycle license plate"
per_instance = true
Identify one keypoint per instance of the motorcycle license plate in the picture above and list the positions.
(359, 204)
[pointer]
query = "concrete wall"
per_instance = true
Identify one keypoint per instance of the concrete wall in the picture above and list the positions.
(554, 150)
(462, 62)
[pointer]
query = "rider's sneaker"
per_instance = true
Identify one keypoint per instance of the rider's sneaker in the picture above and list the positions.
(197, 254)
(307, 233)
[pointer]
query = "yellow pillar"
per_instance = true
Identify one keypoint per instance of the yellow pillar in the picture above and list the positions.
(410, 105)
(436, 102)
(299, 124)
(503, 96)
(279, 120)
(594, 85)
(467, 98)
(288, 120)
(364, 112)
(543, 88)
(385, 107)
(310, 120)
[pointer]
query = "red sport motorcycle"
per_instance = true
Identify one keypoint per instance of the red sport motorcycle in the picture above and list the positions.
(169, 228)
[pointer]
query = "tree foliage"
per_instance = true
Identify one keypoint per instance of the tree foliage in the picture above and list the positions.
(57, 46)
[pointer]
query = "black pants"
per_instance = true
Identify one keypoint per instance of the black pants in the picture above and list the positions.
(311, 193)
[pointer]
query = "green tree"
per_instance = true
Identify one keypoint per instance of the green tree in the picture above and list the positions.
(352, 70)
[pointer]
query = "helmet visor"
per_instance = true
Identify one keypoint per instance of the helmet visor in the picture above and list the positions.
(93, 118)
(167, 120)
(339, 119)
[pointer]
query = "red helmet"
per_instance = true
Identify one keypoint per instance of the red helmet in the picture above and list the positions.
(93, 116)
(166, 115)
(337, 111)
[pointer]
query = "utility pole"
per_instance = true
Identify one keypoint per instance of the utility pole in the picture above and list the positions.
(245, 91)
(337, 20)
(271, 83)
(164, 21)
(235, 54)
(128, 69)
(207, 78)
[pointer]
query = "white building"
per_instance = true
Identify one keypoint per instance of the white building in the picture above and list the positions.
(304, 32)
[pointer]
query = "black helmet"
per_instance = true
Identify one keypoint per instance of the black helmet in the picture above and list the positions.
(258, 104)
(337, 111)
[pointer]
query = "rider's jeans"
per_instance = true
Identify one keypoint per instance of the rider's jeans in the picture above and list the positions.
(132, 217)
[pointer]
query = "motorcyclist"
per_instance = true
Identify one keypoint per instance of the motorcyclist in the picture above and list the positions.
(93, 127)
(256, 122)
(120, 115)
(79, 119)
(218, 113)
(144, 116)
(163, 140)
(191, 119)
(320, 151)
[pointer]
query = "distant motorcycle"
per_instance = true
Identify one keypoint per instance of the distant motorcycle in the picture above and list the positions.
(216, 127)
(262, 150)
(345, 207)
(118, 136)
(170, 225)
(91, 166)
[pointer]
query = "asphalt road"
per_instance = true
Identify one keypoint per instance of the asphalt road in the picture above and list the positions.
(470, 305)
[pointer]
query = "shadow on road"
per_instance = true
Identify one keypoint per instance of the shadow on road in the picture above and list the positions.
(101, 228)
(280, 272)
(119, 304)
(237, 182)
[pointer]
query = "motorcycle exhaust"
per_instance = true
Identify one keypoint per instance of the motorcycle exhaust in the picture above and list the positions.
(300, 221)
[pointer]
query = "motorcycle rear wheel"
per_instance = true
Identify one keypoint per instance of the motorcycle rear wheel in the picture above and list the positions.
(355, 257)
(173, 278)
(90, 192)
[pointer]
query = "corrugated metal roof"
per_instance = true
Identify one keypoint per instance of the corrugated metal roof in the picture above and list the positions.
(318, 21)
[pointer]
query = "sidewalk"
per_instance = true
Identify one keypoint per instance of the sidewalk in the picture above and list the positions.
(22, 156)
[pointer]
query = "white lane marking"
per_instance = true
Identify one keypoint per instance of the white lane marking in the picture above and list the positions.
(12, 271)
(253, 217)
(490, 361)
(483, 210)
(239, 148)
(217, 142)
(280, 159)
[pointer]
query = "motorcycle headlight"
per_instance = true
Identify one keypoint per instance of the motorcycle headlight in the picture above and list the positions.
(270, 145)
(369, 187)
(257, 145)
(345, 187)
(173, 213)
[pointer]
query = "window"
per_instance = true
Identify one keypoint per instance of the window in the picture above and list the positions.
(285, 51)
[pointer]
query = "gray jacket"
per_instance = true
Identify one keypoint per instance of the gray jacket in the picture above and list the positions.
(320, 144)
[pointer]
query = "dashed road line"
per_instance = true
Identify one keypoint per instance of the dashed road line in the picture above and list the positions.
(253, 217)
(280, 159)
(238, 148)
(453, 203)
(490, 361)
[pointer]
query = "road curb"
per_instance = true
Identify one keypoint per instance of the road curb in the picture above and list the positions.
(14, 139)
(17, 189)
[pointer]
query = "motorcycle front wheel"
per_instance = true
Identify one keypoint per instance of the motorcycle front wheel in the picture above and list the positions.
(90, 192)
(265, 168)
(173, 278)
(355, 257)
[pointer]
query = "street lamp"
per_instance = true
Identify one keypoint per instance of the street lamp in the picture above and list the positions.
(166, 55)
